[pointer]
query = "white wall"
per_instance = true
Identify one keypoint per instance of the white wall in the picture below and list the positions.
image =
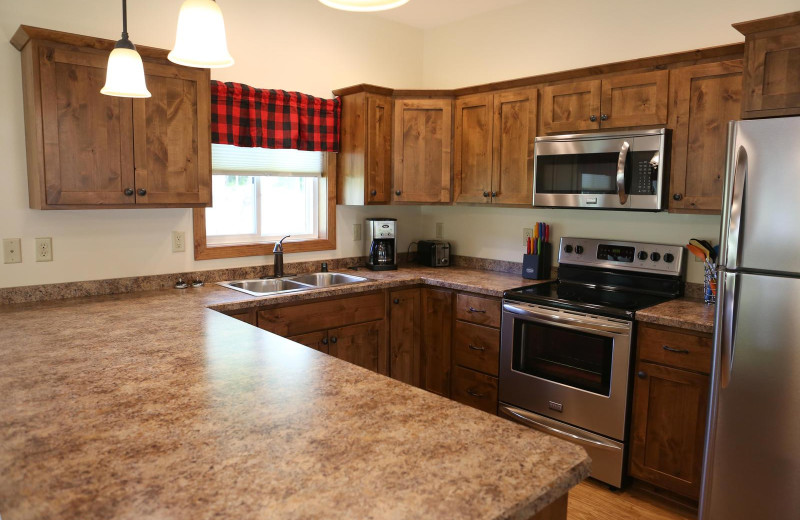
(287, 44)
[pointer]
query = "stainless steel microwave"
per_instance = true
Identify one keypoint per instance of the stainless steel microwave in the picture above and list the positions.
(611, 170)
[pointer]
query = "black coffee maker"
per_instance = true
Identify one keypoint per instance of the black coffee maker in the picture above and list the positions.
(382, 244)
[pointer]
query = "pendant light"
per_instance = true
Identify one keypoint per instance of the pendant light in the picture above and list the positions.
(200, 39)
(125, 72)
(364, 5)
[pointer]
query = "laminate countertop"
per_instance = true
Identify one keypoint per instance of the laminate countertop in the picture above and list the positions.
(152, 405)
(683, 313)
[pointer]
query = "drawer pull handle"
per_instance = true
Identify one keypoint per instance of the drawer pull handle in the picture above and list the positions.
(675, 350)
(473, 393)
(479, 349)
(472, 309)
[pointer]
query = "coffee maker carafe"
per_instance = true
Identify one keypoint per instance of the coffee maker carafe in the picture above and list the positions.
(381, 244)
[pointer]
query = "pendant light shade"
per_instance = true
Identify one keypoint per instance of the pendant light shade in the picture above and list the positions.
(200, 40)
(364, 5)
(125, 72)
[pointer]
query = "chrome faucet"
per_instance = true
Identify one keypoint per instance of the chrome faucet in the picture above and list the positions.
(277, 253)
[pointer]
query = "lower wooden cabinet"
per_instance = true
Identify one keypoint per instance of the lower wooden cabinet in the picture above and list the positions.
(246, 315)
(404, 335)
(358, 344)
(437, 326)
(670, 402)
(475, 389)
(315, 340)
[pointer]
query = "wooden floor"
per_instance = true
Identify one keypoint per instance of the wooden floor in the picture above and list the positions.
(591, 500)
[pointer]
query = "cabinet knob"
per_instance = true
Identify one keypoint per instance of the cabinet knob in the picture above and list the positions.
(677, 196)
(398, 192)
(494, 194)
(324, 341)
(603, 117)
(592, 118)
(486, 194)
(141, 192)
(334, 340)
(373, 192)
(642, 374)
(396, 301)
(128, 192)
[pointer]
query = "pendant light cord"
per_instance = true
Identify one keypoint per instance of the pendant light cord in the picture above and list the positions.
(124, 20)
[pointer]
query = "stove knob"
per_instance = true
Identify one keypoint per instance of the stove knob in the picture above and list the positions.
(655, 257)
(567, 248)
(642, 255)
(669, 258)
(579, 250)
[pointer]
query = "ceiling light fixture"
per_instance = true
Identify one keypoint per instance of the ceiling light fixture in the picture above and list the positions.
(200, 39)
(364, 5)
(125, 72)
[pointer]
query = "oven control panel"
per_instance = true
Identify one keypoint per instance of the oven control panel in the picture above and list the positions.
(633, 256)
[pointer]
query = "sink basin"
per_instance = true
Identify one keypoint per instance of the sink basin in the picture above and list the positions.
(264, 287)
(327, 279)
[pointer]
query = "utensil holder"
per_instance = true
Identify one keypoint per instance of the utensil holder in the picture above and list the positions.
(537, 267)
(710, 287)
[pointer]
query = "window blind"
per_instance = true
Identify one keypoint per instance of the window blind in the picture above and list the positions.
(276, 162)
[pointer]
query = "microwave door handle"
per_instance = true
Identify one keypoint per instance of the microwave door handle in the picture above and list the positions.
(623, 158)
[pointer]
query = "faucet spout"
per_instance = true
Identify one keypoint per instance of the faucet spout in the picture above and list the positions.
(277, 253)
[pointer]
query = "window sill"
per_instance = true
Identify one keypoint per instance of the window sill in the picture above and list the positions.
(206, 252)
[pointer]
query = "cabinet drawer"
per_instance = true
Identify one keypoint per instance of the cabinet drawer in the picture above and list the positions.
(474, 309)
(310, 317)
(674, 348)
(475, 389)
(477, 347)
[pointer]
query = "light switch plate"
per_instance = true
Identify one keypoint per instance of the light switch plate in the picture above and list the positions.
(439, 230)
(178, 241)
(356, 232)
(44, 249)
(12, 251)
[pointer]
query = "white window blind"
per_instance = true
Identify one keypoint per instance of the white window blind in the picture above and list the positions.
(234, 160)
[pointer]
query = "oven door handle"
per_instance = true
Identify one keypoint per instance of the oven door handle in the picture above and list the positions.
(522, 417)
(623, 158)
(568, 322)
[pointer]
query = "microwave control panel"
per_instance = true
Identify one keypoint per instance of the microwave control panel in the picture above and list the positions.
(644, 177)
(635, 256)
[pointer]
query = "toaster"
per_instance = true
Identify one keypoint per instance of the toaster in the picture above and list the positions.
(433, 253)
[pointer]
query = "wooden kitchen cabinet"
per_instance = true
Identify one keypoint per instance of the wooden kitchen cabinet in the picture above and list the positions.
(475, 389)
(771, 66)
(365, 157)
(703, 99)
(670, 401)
(359, 344)
(437, 326)
(422, 150)
(86, 150)
(494, 139)
(614, 102)
(405, 335)
(316, 340)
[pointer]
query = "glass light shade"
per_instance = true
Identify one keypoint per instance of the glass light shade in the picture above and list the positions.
(200, 40)
(125, 75)
(364, 5)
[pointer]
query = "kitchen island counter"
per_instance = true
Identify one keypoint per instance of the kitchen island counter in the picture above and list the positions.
(152, 405)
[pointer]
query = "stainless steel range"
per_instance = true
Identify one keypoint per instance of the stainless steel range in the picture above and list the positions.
(566, 346)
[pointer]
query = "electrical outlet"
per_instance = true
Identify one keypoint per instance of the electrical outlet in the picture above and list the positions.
(178, 241)
(526, 234)
(12, 251)
(439, 230)
(44, 249)
(356, 232)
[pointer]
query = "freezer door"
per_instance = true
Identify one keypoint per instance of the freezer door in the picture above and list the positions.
(761, 204)
(752, 467)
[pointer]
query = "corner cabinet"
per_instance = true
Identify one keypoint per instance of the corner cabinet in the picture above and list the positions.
(86, 150)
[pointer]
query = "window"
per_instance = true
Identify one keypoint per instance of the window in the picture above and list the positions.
(261, 195)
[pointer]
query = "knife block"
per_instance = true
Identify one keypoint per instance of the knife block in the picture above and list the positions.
(537, 267)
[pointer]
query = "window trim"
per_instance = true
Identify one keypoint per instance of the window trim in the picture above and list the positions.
(325, 242)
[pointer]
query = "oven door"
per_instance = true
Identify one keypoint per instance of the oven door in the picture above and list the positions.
(570, 366)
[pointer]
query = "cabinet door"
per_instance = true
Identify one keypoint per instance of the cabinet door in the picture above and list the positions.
(437, 323)
(571, 107)
(514, 138)
(635, 100)
(472, 164)
(404, 335)
(358, 344)
(772, 75)
(422, 135)
(668, 427)
(172, 137)
(247, 316)
(315, 340)
(379, 149)
(88, 140)
(475, 389)
(703, 99)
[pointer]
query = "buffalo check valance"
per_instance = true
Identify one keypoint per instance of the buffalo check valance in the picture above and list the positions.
(263, 118)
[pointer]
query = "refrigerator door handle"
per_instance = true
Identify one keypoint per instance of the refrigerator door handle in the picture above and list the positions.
(730, 309)
(733, 249)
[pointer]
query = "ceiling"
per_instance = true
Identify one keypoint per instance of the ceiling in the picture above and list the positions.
(427, 14)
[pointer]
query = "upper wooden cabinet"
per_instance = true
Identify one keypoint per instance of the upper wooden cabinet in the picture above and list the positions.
(494, 138)
(613, 102)
(365, 157)
(422, 149)
(771, 66)
(87, 150)
(703, 98)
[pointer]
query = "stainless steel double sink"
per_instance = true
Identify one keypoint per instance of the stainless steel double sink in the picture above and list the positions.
(303, 282)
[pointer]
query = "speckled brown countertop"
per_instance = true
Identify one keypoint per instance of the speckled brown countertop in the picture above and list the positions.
(684, 313)
(150, 405)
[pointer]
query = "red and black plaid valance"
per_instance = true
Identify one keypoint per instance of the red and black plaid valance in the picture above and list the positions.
(254, 117)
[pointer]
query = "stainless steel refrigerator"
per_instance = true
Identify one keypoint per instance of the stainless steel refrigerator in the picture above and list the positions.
(752, 462)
